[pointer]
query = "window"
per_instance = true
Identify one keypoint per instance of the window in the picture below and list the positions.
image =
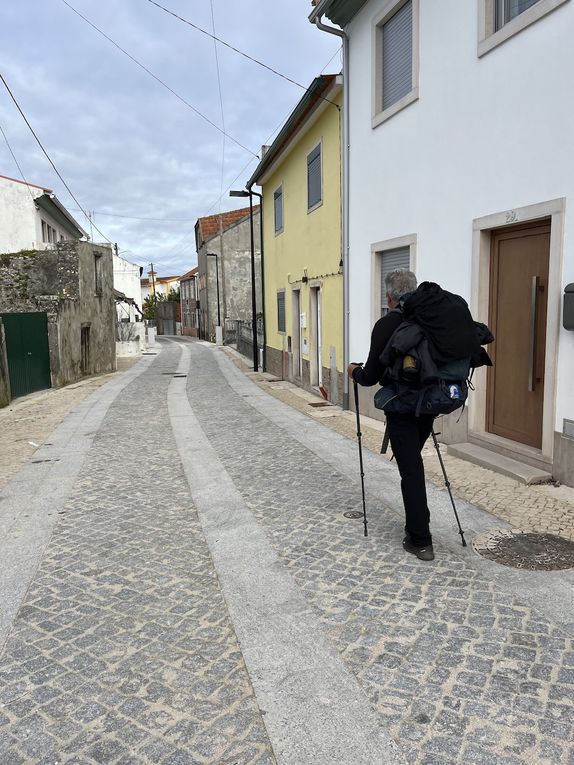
(392, 260)
(395, 76)
(314, 190)
(506, 10)
(281, 311)
(278, 209)
(499, 20)
(98, 273)
(49, 234)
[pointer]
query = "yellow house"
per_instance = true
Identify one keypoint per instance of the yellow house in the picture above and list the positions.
(300, 176)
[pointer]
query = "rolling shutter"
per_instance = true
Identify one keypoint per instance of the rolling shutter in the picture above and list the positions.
(314, 177)
(281, 311)
(278, 206)
(398, 55)
(392, 260)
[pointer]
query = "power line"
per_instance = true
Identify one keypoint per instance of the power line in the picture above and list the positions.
(222, 112)
(157, 79)
(17, 163)
(136, 217)
(49, 158)
(236, 50)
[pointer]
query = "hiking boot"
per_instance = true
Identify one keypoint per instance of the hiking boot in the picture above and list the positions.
(422, 553)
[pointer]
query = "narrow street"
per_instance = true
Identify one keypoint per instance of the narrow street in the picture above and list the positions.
(180, 587)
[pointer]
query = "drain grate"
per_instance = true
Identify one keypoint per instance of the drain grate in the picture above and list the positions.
(525, 549)
(353, 514)
(318, 404)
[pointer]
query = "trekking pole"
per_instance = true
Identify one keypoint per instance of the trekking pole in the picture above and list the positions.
(356, 388)
(447, 484)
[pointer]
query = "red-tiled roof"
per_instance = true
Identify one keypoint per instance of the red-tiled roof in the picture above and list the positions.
(211, 225)
(33, 185)
(189, 274)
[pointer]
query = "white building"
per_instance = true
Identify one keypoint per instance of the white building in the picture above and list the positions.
(127, 281)
(460, 166)
(32, 218)
(158, 285)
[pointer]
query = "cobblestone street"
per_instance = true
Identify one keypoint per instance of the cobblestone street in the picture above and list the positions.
(180, 586)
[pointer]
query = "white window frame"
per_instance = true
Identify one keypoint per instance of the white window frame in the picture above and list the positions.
(377, 250)
(380, 115)
(279, 230)
(488, 38)
(318, 145)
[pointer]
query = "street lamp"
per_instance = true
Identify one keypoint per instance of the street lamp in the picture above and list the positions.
(249, 193)
(214, 255)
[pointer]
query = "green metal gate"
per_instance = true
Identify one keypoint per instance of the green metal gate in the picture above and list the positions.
(28, 352)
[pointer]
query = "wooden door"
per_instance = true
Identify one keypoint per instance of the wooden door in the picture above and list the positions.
(518, 306)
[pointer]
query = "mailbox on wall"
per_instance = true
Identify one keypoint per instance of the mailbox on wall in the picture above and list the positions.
(568, 310)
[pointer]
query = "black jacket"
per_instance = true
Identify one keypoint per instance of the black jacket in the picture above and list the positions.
(437, 323)
(446, 321)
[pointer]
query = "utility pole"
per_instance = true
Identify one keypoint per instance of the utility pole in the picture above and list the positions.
(152, 274)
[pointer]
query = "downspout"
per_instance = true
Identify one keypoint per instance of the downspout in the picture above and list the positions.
(345, 157)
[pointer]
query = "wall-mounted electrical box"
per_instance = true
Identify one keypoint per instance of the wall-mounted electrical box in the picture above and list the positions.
(303, 321)
(568, 310)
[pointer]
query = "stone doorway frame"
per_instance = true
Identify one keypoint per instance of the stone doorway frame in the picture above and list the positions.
(554, 209)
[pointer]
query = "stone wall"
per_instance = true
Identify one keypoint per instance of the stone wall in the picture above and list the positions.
(62, 283)
(280, 364)
(274, 361)
(233, 249)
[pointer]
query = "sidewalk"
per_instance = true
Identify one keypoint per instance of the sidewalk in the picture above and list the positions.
(545, 508)
(27, 422)
(180, 587)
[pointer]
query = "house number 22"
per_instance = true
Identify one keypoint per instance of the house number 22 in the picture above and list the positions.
(511, 216)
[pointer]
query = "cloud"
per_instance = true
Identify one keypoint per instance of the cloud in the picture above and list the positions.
(126, 145)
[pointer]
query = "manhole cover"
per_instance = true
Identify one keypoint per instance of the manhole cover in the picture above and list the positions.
(353, 514)
(525, 549)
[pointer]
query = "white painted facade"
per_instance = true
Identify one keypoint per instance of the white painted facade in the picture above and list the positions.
(163, 286)
(127, 280)
(21, 218)
(487, 142)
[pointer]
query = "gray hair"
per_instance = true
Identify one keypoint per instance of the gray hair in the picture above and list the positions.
(399, 283)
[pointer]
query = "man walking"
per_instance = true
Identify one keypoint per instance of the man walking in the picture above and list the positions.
(407, 432)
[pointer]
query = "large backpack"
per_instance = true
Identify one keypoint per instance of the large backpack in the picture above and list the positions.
(447, 393)
(436, 322)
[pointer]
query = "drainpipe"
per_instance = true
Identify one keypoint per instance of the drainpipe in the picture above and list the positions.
(345, 152)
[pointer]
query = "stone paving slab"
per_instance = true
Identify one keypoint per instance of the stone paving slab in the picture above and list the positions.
(460, 668)
(545, 508)
(315, 711)
(122, 650)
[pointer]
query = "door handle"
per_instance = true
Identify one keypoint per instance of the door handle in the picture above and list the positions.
(533, 323)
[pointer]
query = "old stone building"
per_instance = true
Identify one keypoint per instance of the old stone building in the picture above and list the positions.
(58, 314)
(224, 266)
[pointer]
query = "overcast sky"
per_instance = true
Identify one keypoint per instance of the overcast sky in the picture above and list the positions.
(122, 142)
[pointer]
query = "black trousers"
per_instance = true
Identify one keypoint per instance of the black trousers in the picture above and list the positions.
(408, 435)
